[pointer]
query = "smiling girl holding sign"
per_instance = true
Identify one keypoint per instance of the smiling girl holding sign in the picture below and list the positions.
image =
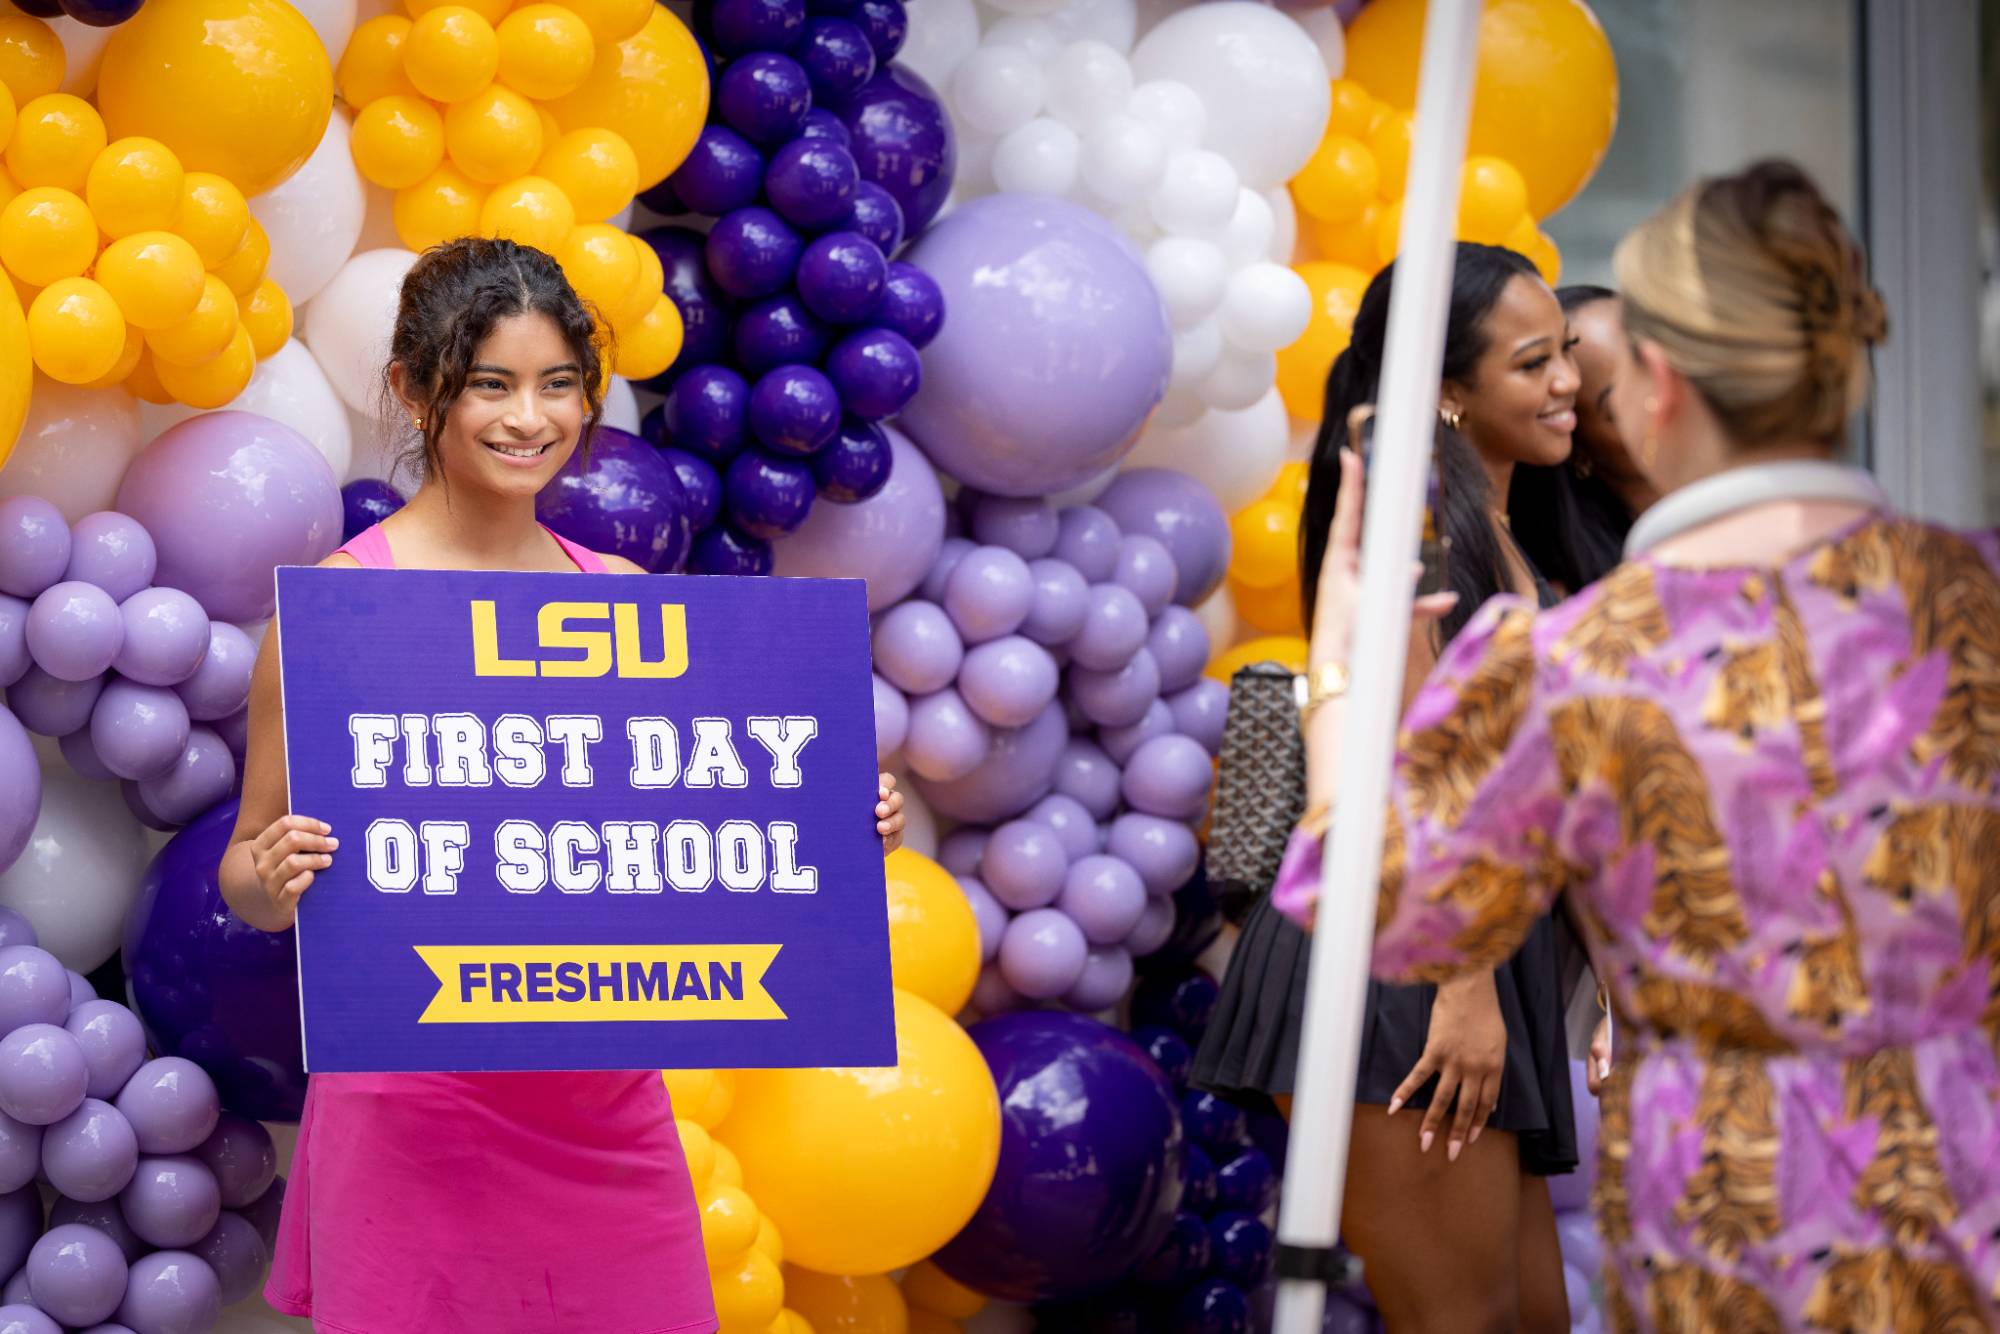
(474, 1202)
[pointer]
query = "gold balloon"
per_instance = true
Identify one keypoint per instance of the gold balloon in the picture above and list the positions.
(838, 1305)
(651, 89)
(933, 936)
(16, 369)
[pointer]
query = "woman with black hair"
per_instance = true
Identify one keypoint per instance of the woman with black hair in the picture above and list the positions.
(1453, 1224)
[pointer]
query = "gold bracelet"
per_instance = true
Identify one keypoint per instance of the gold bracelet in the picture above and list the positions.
(1326, 683)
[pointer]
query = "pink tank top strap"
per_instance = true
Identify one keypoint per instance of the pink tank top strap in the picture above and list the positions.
(586, 560)
(370, 547)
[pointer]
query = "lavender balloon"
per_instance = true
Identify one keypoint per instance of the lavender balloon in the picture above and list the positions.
(138, 731)
(1104, 896)
(113, 1045)
(1028, 528)
(1060, 604)
(1106, 977)
(1120, 742)
(220, 685)
(1042, 954)
(988, 593)
(892, 718)
(1087, 775)
(170, 1292)
(204, 774)
(240, 1154)
(1199, 712)
(20, 1153)
(228, 497)
(34, 987)
(76, 1274)
(622, 499)
(265, 1213)
(1023, 865)
(1163, 852)
(237, 1253)
(991, 994)
(171, 1201)
(20, 789)
(113, 551)
(42, 1074)
(102, 1215)
(902, 138)
(15, 929)
(1087, 538)
(1072, 824)
(80, 989)
(1017, 772)
(20, 1318)
(74, 631)
(889, 539)
(20, 1224)
(172, 1104)
(1008, 681)
(960, 850)
(917, 647)
(946, 741)
(1117, 698)
(1183, 515)
(1169, 777)
(92, 1153)
(1179, 644)
(951, 551)
(34, 545)
(1145, 567)
(14, 656)
(1114, 629)
(166, 635)
(987, 912)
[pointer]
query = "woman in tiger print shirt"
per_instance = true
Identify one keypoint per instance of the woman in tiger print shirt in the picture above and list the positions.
(1764, 757)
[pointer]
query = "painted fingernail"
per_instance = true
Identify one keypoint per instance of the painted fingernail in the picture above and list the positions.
(1475, 1134)
(1424, 1142)
(1395, 1105)
(1452, 1150)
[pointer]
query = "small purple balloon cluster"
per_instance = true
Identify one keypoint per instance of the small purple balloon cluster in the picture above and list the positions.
(165, 1207)
(801, 331)
(96, 13)
(134, 678)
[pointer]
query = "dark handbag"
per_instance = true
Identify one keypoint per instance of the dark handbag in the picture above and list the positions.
(1261, 791)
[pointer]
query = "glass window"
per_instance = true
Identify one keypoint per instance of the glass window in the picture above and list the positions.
(1989, 246)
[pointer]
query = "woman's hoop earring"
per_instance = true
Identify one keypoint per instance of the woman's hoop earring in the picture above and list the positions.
(1451, 417)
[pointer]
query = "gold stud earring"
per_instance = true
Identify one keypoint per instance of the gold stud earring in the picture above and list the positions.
(417, 422)
(1451, 417)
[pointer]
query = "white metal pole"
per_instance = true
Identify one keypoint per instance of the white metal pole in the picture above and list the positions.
(1336, 986)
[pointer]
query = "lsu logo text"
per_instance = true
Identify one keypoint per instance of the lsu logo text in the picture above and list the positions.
(568, 627)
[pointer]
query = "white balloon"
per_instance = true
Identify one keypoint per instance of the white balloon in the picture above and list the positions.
(621, 405)
(378, 449)
(1180, 407)
(998, 89)
(1040, 158)
(378, 220)
(1239, 379)
(314, 219)
(1196, 352)
(289, 386)
(1197, 193)
(1218, 616)
(1123, 158)
(1174, 110)
(333, 20)
(975, 166)
(1236, 455)
(1324, 27)
(349, 323)
(1026, 6)
(1265, 307)
(1035, 35)
(1113, 22)
(1259, 75)
(80, 871)
(1190, 275)
(1284, 225)
(1246, 237)
(73, 447)
(1088, 80)
(83, 51)
(941, 34)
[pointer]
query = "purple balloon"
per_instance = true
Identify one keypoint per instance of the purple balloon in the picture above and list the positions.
(1106, 977)
(204, 774)
(76, 1274)
(723, 550)
(1163, 852)
(1169, 776)
(793, 410)
(752, 253)
(1025, 527)
(237, 1253)
(1120, 742)
(1104, 896)
(823, 125)
(1183, 515)
(1155, 929)
(1017, 772)
(1086, 774)
(1576, 1234)
(740, 26)
(80, 989)
(622, 499)
(903, 140)
(138, 731)
(917, 648)
(1023, 865)
(764, 97)
(701, 487)
(14, 656)
(988, 593)
(235, 732)
(166, 636)
(20, 1318)
(15, 929)
(1087, 538)
(889, 538)
(877, 216)
(953, 550)
(74, 631)
(171, 1292)
(885, 21)
(102, 1216)
(1145, 567)
(987, 912)
(1113, 632)
(912, 304)
(42, 1074)
(1093, 364)
(220, 685)
(113, 551)
(172, 1105)
(229, 497)
(245, 1162)
(1008, 681)
(34, 545)
(1179, 643)
(20, 1153)
(171, 1200)
(20, 1224)
(683, 259)
(960, 850)
(91, 1154)
(1117, 698)
(855, 464)
(841, 277)
(364, 502)
(1072, 824)
(765, 496)
(135, 802)
(1060, 603)
(51, 707)
(892, 718)
(264, 1215)
(876, 371)
(991, 994)
(723, 172)
(1199, 712)
(777, 331)
(838, 58)
(811, 183)
(1042, 953)
(113, 1045)
(708, 413)
(34, 987)
(946, 740)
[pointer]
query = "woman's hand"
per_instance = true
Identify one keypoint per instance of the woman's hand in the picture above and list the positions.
(889, 814)
(1598, 1068)
(1466, 1050)
(287, 855)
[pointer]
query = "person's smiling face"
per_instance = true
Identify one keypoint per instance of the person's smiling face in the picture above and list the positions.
(521, 413)
(1520, 404)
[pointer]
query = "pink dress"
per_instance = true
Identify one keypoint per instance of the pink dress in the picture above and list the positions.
(490, 1203)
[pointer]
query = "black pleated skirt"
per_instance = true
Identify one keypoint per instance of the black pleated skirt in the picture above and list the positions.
(1252, 1043)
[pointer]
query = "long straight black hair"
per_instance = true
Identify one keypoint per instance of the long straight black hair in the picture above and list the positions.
(1476, 569)
(1567, 520)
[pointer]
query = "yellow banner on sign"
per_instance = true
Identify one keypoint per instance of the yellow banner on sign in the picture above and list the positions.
(579, 984)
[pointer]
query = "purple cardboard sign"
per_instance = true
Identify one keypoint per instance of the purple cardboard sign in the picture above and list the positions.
(609, 824)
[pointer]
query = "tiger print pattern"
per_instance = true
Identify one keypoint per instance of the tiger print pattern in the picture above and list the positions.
(1626, 624)
(1939, 849)
(1689, 1299)
(1441, 767)
(1884, 1292)
(1769, 685)
(1732, 1199)
(1903, 1184)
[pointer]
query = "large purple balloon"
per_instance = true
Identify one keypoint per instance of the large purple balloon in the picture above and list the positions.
(903, 141)
(1088, 346)
(21, 785)
(1071, 1091)
(1018, 771)
(889, 539)
(624, 499)
(211, 987)
(229, 497)
(1183, 515)
(704, 324)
